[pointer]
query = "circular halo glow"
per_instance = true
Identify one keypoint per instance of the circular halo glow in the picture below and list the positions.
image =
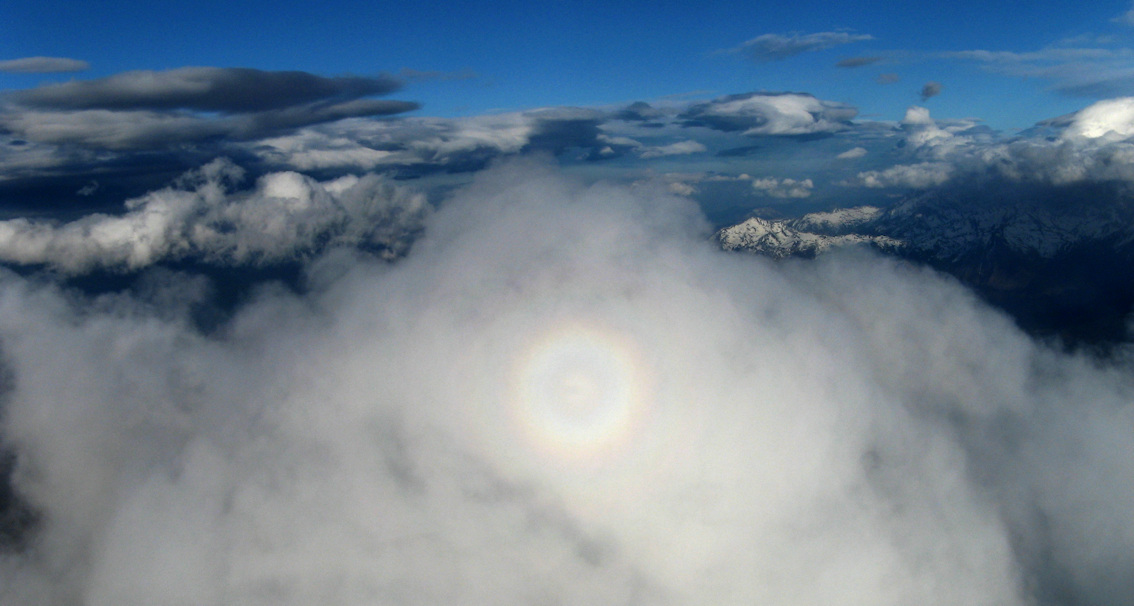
(579, 392)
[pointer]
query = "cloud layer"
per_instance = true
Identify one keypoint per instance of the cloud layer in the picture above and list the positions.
(210, 89)
(162, 109)
(564, 393)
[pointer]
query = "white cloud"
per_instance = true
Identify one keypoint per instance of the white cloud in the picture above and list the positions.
(783, 188)
(1093, 145)
(311, 149)
(681, 188)
(688, 146)
(563, 394)
(853, 153)
(938, 141)
(920, 176)
(1109, 119)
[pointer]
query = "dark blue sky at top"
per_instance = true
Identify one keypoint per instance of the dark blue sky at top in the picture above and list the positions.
(520, 55)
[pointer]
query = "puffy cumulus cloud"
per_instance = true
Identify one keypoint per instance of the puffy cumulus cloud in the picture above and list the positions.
(776, 47)
(918, 176)
(926, 136)
(1092, 145)
(151, 109)
(931, 89)
(285, 217)
(783, 188)
(43, 65)
(1112, 119)
(564, 394)
(771, 114)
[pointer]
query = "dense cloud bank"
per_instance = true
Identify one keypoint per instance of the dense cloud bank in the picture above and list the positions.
(563, 394)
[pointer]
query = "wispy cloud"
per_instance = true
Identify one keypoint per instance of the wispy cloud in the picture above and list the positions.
(43, 65)
(917, 176)
(673, 149)
(1126, 18)
(1083, 72)
(851, 62)
(776, 47)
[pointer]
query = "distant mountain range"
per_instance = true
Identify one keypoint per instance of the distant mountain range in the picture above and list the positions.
(1060, 260)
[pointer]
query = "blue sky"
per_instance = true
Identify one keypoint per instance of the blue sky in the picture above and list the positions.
(521, 55)
(744, 106)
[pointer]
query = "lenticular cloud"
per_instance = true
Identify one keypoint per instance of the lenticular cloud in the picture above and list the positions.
(563, 394)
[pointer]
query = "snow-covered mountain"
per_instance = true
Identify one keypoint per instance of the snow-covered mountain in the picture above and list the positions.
(1059, 260)
(807, 236)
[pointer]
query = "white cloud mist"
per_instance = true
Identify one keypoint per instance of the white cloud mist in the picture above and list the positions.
(783, 188)
(849, 431)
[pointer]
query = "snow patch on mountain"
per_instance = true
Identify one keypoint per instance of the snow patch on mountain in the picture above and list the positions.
(781, 239)
(836, 221)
